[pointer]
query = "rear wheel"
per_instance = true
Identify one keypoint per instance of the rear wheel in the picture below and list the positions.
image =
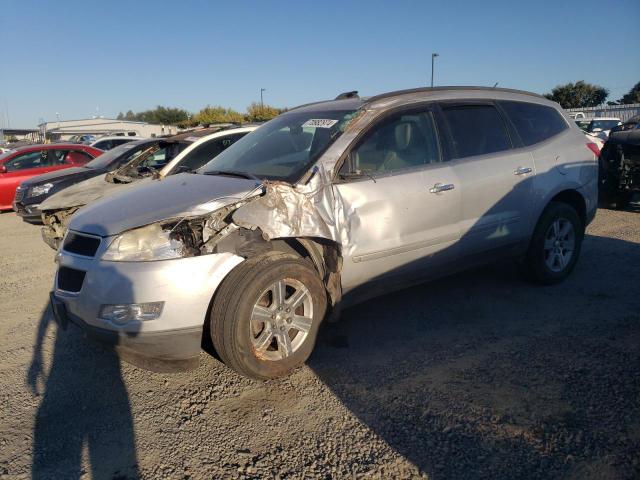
(555, 245)
(266, 315)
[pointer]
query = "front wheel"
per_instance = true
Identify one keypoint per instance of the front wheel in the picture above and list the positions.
(555, 245)
(266, 315)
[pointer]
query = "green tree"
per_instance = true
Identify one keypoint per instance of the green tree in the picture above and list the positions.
(261, 113)
(633, 96)
(578, 95)
(216, 114)
(162, 115)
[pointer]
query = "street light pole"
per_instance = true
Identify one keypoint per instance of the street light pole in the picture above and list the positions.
(433, 57)
(261, 99)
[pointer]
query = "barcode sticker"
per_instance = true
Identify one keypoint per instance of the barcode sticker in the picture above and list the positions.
(320, 123)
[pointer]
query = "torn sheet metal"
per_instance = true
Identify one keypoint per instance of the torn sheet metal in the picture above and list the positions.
(311, 210)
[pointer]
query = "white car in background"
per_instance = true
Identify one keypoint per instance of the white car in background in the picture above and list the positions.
(147, 167)
(601, 126)
(107, 143)
(204, 149)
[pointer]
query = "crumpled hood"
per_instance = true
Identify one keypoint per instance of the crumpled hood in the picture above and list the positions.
(84, 192)
(185, 194)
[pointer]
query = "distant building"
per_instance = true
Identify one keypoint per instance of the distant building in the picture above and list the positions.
(65, 129)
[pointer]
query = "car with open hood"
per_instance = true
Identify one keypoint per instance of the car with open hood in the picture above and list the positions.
(324, 206)
(161, 157)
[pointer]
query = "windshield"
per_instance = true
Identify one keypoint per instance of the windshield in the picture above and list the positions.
(603, 124)
(119, 155)
(149, 160)
(284, 148)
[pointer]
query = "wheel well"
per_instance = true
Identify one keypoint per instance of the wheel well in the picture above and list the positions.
(574, 199)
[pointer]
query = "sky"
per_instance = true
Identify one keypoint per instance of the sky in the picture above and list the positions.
(82, 58)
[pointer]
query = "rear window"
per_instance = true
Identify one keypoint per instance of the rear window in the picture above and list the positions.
(534, 123)
(476, 130)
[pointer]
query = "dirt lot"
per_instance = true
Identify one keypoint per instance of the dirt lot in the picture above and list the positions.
(475, 376)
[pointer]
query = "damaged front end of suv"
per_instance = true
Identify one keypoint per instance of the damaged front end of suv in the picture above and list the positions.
(620, 169)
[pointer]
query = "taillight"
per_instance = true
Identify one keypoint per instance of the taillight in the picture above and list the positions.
(594, 148)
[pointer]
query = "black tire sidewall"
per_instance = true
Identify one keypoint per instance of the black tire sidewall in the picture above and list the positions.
(237, 322)
(536, 264)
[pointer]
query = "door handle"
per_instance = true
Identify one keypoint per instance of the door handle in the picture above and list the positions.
(441, 187)
(522, 170)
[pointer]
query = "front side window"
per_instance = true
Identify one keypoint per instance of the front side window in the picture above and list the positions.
(36, 159)
(283, 148)
(476, 130)
(404, 141)
(535, 123)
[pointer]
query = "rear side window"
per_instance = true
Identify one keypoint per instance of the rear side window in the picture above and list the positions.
(534, 123)
(476, 130)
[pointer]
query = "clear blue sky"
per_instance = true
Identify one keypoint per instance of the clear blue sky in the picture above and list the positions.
(73, 56)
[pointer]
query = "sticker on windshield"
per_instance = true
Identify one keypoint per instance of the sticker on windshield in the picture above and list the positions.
(320, 123)
(192, 139)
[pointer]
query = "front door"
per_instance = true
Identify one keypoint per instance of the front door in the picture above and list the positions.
(404, 201)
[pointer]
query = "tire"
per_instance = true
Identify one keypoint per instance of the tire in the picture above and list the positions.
(546, 261)
(258, 349)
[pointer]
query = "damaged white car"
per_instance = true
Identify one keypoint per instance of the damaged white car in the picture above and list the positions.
(179, 153)
(324, 206)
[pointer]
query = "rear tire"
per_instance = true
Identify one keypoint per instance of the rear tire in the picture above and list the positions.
(555, 245)
(266, 315)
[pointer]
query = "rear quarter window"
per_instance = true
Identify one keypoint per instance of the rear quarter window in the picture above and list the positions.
(534, 123)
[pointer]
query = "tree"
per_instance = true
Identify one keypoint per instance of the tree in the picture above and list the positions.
(162, 115)
(216, 114)
(578, 95)
(633, 96)
(257, 112)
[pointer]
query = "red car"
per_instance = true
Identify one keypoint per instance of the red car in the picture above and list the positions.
(26, 162)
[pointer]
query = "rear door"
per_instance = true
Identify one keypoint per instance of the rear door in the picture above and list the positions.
(495, 176)
(403, 201)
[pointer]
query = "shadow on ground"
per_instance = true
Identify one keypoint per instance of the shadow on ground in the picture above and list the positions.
(85, 408)
(482, 375)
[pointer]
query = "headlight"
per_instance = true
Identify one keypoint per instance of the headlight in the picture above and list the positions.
(39, 190)
(145, 244)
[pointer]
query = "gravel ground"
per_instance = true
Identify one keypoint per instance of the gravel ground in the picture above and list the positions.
(475, 376)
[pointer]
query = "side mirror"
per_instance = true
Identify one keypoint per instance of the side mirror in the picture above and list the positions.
(3, 169)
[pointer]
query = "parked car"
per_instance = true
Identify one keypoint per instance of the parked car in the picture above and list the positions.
(87, 138)
(620, 168)
(107, 143)
(35, 190)
(324, 206)
(26, 162)
(186, 152)
(601, 126)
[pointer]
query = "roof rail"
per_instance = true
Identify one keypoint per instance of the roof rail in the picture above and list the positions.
(440, 89)
(351, 94)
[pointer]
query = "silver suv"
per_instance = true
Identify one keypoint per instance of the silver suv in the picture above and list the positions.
(324, 206)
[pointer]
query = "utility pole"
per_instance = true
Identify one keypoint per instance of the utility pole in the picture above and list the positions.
(433, 57)
(261, 98)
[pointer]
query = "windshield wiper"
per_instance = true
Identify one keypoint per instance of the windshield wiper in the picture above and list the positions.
(233, 173)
